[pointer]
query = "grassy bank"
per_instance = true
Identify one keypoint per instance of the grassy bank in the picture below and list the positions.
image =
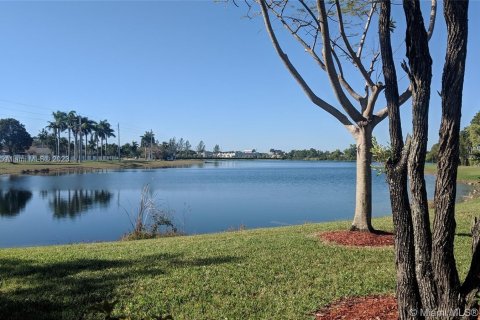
(470, 174)
(276, 273)
(19, 168)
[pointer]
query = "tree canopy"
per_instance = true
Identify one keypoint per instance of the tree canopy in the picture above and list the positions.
(14, 136)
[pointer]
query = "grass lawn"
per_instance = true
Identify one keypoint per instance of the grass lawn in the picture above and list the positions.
(275, 273)
(18, 168)
(469, 174)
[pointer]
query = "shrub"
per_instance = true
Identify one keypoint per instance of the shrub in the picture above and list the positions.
(151, 221)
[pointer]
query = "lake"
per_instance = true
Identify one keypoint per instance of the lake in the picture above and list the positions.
(215, 196)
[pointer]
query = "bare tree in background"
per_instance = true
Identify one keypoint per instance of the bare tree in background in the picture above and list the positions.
(309, 23)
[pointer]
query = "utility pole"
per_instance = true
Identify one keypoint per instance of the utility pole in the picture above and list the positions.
(151, 143)
(118, 130)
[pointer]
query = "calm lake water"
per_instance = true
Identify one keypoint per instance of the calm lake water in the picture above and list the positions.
(215, 196)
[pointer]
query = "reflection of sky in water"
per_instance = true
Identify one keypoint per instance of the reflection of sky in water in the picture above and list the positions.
(213, 197)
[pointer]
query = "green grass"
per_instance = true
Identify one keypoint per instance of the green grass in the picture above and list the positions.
(465, 174)
(19, 168)
(275, 273)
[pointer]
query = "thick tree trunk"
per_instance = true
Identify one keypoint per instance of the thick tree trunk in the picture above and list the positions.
(362, 220)
(443, 258)
(420, 74)
(438, 290)
(408, 298)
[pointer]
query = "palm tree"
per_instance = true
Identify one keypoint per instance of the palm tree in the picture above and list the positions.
(87, 128)
(58, 125)
(109, 133)
(71, 121)
(95, 136)
(103, 132)
(100, 134)
(91, 143)
(146, 140)
(75, 127)
(43, 137)
(135, 148)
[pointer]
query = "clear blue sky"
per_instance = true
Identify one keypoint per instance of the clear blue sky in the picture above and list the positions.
(191, 69)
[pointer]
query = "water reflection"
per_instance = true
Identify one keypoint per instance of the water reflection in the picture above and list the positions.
(71, 203)
(13, 201)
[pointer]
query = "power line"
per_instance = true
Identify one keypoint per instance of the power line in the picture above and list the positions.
(131, 129)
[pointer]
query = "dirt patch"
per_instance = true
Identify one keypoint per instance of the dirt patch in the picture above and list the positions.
(360, 308)
(358, 239)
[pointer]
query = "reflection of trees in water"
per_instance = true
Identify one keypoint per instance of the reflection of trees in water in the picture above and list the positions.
(13, 201)
(71, 203)
(43, 194)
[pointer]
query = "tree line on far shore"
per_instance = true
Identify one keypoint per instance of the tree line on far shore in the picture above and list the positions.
(469, 144)
(88, 139)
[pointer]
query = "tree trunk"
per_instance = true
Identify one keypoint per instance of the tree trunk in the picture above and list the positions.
(420, 74)
(407, 287)
(362, 220)
(417, 289)
(443, 258)
(74, 146)
(86, 145)
(58, 141)
(69, 139)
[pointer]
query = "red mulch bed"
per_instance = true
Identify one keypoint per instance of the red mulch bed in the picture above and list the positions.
(360, 308)
(358, 239)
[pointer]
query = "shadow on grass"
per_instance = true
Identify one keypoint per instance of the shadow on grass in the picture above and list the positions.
(68, 289)
(462, 234)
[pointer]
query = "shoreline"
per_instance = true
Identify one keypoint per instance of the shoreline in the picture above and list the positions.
(90, 166)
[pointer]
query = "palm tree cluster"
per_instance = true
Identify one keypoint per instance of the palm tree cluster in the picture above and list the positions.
(90, 138)
(80, 138)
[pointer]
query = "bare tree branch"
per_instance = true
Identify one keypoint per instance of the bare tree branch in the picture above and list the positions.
(308, 91)
(433, 15)
(370, 71)
(365, 30)
(294, 33)
(332, 75)
(344, 83)
(383, 113)
(335, 44)
(307, 8)
(356, 60)
(372, 63)
(367, 113)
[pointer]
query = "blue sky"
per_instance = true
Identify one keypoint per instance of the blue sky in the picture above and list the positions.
(191, 69)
